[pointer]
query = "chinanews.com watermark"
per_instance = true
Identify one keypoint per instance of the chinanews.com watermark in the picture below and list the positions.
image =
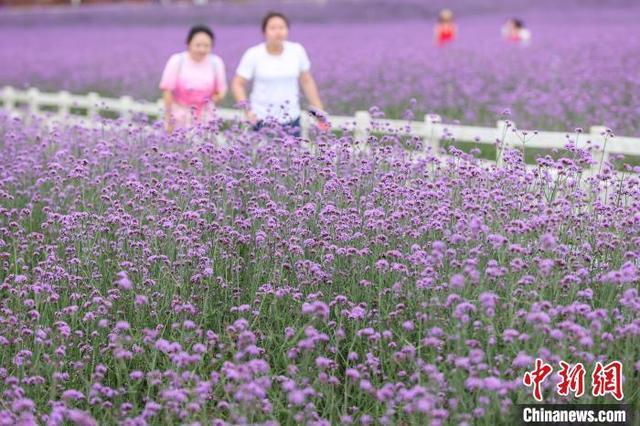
(575, 414)
(604, 380)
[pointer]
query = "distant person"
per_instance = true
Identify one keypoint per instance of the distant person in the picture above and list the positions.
(277, 67)
(193, 81)
(445, 30)
(514, 31)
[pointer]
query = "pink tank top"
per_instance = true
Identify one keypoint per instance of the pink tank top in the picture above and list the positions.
(192, 84)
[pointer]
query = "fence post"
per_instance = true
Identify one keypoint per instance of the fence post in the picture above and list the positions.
(125, 108)
(64, 103)
(430, 137)
(363, 121)
(33, 96)
(305, 124)
(598, 134)
(92, 109)
(502, 137)
(9, 98)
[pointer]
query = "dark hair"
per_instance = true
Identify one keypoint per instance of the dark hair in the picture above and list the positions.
(518, 23)
(200, 29)
(270, 15)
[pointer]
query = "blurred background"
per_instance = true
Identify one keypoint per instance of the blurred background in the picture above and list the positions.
(580, 67)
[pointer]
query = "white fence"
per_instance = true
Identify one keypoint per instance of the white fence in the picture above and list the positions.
(431, 129)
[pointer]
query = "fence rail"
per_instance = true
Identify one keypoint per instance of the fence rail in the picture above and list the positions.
(430, 129)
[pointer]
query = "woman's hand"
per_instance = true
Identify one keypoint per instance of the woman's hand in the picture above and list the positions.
(168, 124)
(322, 118)
(238, 85)
(323, 126)
(218, 98)
(168, 118)
(240, 94)
(250, 116)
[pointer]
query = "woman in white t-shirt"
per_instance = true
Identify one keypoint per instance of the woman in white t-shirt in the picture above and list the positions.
(277, 67)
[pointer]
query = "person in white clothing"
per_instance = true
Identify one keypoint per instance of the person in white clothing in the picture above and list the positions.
(515, 31)
(278, 68)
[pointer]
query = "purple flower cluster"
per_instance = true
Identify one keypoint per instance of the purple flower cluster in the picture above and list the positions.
(149, 279)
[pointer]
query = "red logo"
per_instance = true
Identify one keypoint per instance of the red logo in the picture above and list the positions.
(604, 379)
(572, 379)
(607, 379)
(536, 377)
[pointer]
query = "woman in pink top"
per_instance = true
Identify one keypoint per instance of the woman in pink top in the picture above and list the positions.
(193, 81)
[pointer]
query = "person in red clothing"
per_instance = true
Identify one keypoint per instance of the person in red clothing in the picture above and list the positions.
(445, 30)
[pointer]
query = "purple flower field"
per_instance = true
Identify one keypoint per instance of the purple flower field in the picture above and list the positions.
(147, 279)
(580, 70)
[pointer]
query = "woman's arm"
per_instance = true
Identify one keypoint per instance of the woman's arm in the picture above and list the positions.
(167, 85)
(238, 87)
(310, 90)
(220, 81)
(167, 97)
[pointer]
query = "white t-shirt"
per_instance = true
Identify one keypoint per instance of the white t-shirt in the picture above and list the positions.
(525, 35)
(276, 91)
